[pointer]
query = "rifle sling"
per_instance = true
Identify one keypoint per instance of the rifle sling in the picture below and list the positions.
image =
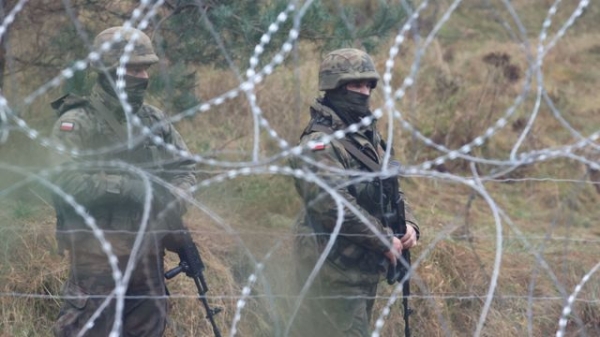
(110, 119)
(362, 158)
(351, 148)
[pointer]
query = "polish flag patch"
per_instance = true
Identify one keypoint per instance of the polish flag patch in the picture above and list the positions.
(67, 126)
(317, 146)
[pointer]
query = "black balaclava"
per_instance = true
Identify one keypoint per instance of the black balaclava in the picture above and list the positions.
(135, 88)
(349, 105)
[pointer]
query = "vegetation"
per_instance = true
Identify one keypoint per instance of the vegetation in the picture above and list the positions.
(468, 79)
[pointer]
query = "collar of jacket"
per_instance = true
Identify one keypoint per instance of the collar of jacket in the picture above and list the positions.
(111, 103)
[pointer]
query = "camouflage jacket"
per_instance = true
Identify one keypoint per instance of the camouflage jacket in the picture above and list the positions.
(100, 187)
(358, 251)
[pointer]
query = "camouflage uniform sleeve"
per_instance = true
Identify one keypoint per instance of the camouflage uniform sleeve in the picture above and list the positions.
(181, 173)
(409, 214)
(185, 176)
(71, 131)
(181, 170)
(322, 206)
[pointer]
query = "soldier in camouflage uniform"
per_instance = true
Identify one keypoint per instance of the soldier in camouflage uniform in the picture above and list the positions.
(341, 298)
(114, 196)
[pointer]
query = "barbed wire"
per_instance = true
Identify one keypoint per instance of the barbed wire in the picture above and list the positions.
(430, 296)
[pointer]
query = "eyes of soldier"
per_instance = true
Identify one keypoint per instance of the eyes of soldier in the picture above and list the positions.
(363, 87)
(140, 71)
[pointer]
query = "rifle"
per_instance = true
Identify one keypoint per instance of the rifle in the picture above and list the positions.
(396, 220)
(191, 263)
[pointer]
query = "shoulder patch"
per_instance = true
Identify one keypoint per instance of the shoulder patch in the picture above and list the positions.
(317, 146)
(67, 126)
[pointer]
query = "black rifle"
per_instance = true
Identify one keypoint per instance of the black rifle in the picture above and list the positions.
(191, 263)
(396, 220)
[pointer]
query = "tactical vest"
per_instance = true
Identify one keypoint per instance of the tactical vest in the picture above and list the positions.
(145, 155)
(345, 254)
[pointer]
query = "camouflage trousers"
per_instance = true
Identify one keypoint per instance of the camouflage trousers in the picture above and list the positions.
(335, 306)
(343, 312)
(144, 312)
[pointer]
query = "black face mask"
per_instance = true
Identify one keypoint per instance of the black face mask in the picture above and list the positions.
(351, 106)
(135, 88)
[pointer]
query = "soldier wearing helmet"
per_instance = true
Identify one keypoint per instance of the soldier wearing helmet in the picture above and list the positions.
(108, 177)
(116, 39)
(341, 296)
(131, 49)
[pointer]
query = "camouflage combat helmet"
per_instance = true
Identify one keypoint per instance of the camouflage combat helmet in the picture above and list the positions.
(345, 65)
(142, 52)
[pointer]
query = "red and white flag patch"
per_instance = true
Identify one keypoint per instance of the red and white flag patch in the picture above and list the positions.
(317, 146)
(67, 126)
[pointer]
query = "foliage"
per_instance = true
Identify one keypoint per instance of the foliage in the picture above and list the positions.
(226, 32)
(193, 33)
